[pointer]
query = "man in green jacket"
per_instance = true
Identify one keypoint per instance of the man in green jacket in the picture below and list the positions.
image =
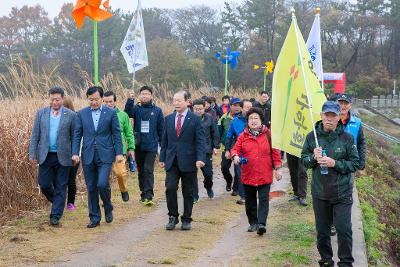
(223, 125)
(332, 164)
(128, 139)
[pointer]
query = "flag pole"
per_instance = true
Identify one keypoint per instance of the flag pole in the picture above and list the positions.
(134, 71)
(317, 15)
(95, 54)
(305, 77)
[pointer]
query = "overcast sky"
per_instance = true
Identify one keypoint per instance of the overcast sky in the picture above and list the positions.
(54, 6)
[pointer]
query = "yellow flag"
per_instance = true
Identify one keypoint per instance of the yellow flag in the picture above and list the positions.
(291, 117)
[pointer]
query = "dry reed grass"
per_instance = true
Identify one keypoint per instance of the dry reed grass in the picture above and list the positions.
(22, 92)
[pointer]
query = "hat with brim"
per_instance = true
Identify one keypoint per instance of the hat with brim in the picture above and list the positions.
(331, 106)
(344, 97)
(235, 100)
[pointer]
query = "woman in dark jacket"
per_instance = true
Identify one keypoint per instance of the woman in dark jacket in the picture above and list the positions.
(259, 160)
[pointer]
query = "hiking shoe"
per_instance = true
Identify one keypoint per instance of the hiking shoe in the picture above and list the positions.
(210, 193)
(235, 193)
(252, 228)
(70, 207)
(302, 201)
(333, 230)
(195, 200)
(186, 226)
(172, 222)
(125, 196)
(148, 202)
(293, 198)
(241, 201)
(261, 230)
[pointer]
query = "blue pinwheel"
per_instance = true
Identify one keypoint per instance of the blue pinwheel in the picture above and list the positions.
(231, 58)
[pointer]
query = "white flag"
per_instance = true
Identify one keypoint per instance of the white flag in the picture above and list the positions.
(314, 47)
(134, 46)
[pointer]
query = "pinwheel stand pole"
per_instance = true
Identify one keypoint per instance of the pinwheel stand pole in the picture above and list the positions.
(95, 54)
(226, 76)
(265, 79)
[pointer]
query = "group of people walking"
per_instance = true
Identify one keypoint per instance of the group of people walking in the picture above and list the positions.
(102, 138)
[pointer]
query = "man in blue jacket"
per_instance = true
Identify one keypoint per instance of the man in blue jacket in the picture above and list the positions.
(235, 129)
(182, 153)
(98, 125)
(148, 121)
(353, 126)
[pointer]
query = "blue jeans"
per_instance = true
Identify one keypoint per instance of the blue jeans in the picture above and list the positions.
(97, 175)
(53, 180)
(238, 172)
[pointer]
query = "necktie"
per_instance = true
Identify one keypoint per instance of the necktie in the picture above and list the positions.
(179, 125)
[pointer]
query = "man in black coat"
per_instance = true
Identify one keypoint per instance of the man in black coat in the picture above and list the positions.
(265, 104)
(212, 146)
(182, 153)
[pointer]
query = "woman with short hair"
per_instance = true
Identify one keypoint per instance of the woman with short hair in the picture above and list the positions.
(259, 161)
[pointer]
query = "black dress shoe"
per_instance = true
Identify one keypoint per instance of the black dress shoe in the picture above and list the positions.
(186, 226)
(54, 222)
(93, 224)
(228, 188)
(210, 193)
(173, 221)
(109, 217)
(261, 229)
(125, 196)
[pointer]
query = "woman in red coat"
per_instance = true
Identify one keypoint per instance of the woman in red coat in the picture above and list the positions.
(253, 146)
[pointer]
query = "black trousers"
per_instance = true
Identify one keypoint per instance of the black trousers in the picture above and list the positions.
(145, 165)
(207, 171)
(225, 166)
(337, 213)
(53, 179)
(298, 175)
(171, 185)
(72, 184)
(257, 214)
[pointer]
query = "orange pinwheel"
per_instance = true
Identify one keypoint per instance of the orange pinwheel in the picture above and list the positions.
(91, 9)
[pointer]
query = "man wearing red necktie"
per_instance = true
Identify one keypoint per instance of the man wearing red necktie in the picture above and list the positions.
(182, 152)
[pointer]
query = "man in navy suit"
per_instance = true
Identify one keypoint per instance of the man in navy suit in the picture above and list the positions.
(182, 152)
(102, 144)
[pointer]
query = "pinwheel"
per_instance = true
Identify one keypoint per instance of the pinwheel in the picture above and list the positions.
(268, 68)
(96, 11)
(231, 58)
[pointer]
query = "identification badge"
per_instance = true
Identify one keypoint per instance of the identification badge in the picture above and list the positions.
(145, 127)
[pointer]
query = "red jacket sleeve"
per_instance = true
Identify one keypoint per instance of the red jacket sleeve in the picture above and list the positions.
(276, 157)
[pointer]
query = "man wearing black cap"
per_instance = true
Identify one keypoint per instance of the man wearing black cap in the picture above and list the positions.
(332, 190)
(353, 126)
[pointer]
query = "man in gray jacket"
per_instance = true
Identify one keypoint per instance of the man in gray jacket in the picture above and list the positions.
(50, 147)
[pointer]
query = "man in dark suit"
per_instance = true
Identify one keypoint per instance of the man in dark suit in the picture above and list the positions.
(50, 147)
(102, 144)
(182, 152)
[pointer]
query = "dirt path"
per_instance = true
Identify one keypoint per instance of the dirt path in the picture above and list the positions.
(227, 247)
(114, 247)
